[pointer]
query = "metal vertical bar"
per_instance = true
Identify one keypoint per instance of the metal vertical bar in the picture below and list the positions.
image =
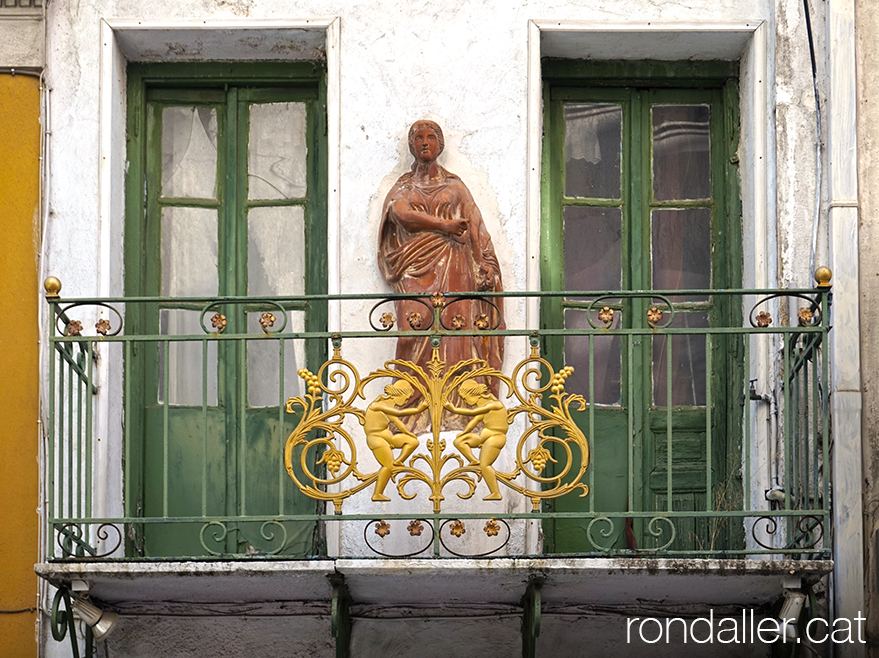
(668, 404)
(281, 470)
(88, 429)
(746, 435)
(630, 447)
(816, 417)
(788, 484)
(129, 375)
(165, 425)
(803, 436)
(592, 441)
(204, 427)
(242, 413)
(709, 484)
(800, 444)
(78, 432)
(51, 494)
(60, 429)
(793, 452)
(825, 420)
(806, 438)
(69, 442)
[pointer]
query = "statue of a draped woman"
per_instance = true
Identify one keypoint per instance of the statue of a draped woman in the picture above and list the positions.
(432, 239)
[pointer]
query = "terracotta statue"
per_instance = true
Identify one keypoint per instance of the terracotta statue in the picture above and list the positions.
(432, 239)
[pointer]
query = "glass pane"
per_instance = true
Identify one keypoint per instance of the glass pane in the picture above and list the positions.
(681, 250)
(687, 363)
(681, 152)
(593, 248)
(276, 250)
(276, 151)
(189, 152)
(593, 148)
(189, 252)
(186, 360)
(607, 358)
(263, 361)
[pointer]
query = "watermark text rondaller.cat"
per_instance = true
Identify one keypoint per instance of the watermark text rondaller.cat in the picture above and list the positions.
(747, 628)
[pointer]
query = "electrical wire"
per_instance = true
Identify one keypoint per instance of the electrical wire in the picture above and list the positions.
(16, 70)
(819, 150)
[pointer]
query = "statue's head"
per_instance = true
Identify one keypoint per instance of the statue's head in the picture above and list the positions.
(420, 132)
(472, 390)
(400, 390)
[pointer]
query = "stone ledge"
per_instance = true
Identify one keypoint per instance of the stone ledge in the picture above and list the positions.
(459, 582)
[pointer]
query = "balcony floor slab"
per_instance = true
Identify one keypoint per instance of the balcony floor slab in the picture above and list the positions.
(457, 582)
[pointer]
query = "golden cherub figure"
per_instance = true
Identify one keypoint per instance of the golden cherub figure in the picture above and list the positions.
(484, 408)
(380, 413)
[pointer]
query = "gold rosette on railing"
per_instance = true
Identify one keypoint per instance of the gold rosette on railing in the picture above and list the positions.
(461, 390)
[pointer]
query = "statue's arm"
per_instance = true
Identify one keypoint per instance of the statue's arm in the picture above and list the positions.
(400, 426)
(391, 411)
(416, 220)
(473, 411)
(480, 240)
(408, 412)
(457, 410)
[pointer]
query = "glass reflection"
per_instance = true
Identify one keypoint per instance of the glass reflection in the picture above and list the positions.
(681, 250)
(189, 252)
(186, 361)
(593, 248)
(593, 150)
(276, 153)
(189, 152)
(607, 360)
(264, 360)
(687, 363)
(681, 152)
(276, 250)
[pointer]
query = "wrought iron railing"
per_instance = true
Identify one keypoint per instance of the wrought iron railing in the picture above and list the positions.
(253, 436)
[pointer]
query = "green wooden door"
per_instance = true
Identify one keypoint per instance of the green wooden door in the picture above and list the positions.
(233, 206)
(637, 196)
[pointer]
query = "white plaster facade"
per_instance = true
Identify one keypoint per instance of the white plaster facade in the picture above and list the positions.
(475, 69)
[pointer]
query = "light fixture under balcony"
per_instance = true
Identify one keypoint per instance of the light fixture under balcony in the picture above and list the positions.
(789, 614)
(102, 622)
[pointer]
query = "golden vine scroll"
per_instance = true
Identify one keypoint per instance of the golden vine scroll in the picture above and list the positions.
(323, 430)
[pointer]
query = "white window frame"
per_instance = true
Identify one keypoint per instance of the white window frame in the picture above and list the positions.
(130, 40)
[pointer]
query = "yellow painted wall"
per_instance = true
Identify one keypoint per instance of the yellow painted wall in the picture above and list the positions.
(19, 402)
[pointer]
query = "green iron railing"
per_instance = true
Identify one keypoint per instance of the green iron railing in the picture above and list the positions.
(678, 465)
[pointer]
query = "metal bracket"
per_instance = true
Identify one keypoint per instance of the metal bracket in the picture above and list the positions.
(531, 615)
(62, 623)
(341, 617)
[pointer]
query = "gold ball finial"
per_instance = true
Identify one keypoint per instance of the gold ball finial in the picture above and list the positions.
(52, 286)
(823, 276)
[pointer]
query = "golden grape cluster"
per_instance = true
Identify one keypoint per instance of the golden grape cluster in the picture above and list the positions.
(310, 379)
(538, 458)
(558, 380)
(333, 459)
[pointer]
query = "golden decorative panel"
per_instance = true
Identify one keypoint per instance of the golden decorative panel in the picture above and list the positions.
(535, 390)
